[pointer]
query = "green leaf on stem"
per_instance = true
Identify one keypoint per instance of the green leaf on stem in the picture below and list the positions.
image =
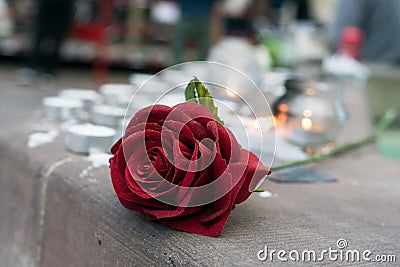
(196, 92)
(190, 92)
(258, 190)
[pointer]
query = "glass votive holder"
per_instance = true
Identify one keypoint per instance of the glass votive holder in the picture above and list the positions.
(309, 114)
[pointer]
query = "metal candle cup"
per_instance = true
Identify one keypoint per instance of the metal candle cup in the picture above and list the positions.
(85, 137)
(113, 92)
(107, 115)
(61, 108)
(137, 79)
(89, 97)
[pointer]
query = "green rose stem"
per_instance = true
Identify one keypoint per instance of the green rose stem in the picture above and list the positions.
(384, 122)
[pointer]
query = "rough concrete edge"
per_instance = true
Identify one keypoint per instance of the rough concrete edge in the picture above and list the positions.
(41, 171)
(44, 179)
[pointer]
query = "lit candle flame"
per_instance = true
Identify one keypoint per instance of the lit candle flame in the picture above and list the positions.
(283, 108)
(310, 91)
(306, 123)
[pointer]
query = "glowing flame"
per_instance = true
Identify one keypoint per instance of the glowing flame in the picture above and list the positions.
(310, 91)
(306, 123)
(283, 108)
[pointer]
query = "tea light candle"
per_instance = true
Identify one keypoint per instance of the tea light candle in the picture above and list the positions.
(155, 87)
(137, 79)
(89, 97)
(85, 137)
(113, 91)
(175, 77)
(107, 115)
(61, 108)
(123, 101)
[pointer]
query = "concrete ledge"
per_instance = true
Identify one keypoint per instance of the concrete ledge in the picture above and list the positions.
(61, 219)
(83, 223)
(19, 198)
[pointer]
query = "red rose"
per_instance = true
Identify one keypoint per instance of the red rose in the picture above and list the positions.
(181, 167)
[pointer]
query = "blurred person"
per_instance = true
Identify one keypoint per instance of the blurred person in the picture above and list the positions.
(301, 10)
(193, 25)
(378, 20)
(239, 16)
(6, 25)
(121, 12)
(53, 18)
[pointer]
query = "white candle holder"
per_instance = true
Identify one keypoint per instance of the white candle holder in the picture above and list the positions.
(83, 138)
(107, 115)
(61, 108)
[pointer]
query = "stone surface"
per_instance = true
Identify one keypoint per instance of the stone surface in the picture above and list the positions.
(84, 224)
(19, 186)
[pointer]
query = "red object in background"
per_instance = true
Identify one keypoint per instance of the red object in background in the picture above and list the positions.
(351, 39)
(97, 31)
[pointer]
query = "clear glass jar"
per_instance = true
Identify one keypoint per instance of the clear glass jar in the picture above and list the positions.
(310, 114)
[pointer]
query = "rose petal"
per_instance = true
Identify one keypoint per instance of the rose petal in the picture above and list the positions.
(255, 171)
(197, 124)
(150, 114)
(197, 112)
(141, 127)
(116, 146)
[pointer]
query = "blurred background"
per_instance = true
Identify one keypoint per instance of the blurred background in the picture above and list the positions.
(355, 43)
(150, 35)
